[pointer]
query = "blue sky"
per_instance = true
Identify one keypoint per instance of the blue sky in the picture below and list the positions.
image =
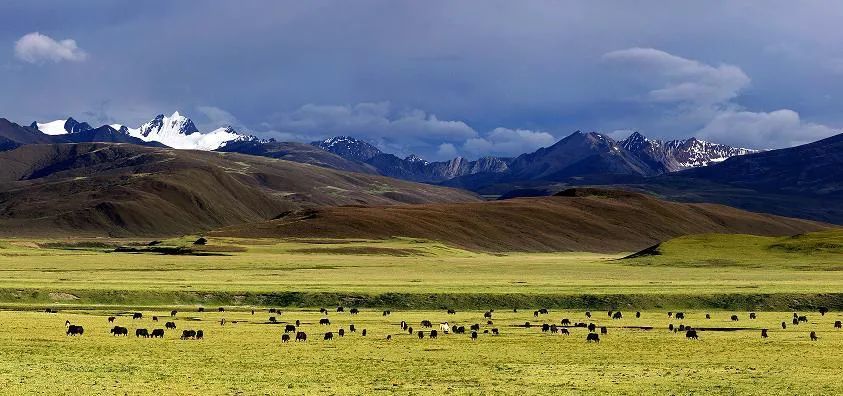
(435, 78)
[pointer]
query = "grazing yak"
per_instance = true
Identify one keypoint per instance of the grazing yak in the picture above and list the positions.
(474, 336)
(351, 328)
(157, 333)
(803, 319)
(610, 313)
(545, 328)
(111, 319)
(154, 318)
(734, 318)
(784, 325)
(173, 312)
(763, 333)
(813, 336)
(592, 337)
(323, 311)
(273, 310)
(298, 323)
(487, 315)
(475, 327)
(679, 315)
(536, 314)
(445, 327)
(137, 315)
(670, 327)
(495, 331)
(420, 334)
(119, 331)
(273, 319)
(543, 311)
(74, 330)
(637, 314)
(564, 331)
(340, 309)
(795, 321)
(200, 309)
(752, 315)
(554, 329)
(200, 334)
(324, 321)
(363, 333)
(588, 314)
(459, 330)
(301, 336)
(354, 311)
(426, 323)
(617, 315)
(341, 332)
(708, 316)
(604, 330)
(452, 312)
(670, 314)
(410, 330)
(838, 325)
(170, 325)
(221, 309)
(386, 313)
(142, 333)
(403, 325)
(691, 334)
(823, 311)
(188, 334)
(289, 328)
(592, 327)
(285, 337)
(434, 334)
(566, 322)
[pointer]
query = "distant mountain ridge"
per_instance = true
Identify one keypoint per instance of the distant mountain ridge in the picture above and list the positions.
(676, 155)
(176, 131)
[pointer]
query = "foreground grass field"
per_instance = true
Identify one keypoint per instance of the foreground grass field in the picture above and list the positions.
(247, 357)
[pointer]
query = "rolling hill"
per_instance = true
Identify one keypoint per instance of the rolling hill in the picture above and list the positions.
(97, 189)
(576, 220)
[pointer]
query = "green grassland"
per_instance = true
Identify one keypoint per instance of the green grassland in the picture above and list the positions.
(86, 281)
(729, 272)
(247, 357)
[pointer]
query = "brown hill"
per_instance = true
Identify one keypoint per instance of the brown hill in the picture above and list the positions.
(579, 220)
(126, 190)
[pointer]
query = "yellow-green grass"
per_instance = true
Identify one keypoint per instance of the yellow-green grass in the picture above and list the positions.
(248, 358)
(422, 274)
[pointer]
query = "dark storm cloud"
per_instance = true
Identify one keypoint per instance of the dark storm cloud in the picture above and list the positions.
(436, 78)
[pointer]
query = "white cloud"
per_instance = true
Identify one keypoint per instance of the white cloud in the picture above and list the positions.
(681, 79)
(760, 129)
(508, 142)
(373, 120)
(446, 151)
(37, 48)
(218, 118)
(695, 93)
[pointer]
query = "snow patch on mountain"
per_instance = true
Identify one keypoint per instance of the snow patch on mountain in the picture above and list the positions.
(53, 127)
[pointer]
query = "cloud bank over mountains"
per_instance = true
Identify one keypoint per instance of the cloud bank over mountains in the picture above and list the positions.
(433, 78)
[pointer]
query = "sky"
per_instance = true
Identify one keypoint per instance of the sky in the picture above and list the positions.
(435, 78)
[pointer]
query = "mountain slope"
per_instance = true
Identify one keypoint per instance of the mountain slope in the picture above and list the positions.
(106, 134)
(11, 132)
(128, 190)
(296, 152)
(579, 220)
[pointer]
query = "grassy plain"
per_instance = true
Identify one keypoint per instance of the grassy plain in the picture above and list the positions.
(247, 357)
(86, 282)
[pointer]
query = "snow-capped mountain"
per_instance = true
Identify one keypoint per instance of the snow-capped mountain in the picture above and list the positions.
(675, 155)
(176, 131)
(62, 127)
(349, 148)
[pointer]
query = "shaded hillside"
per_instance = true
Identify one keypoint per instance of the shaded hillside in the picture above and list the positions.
(124, 190)
(14, 133)
(586, 220)
(296, 152)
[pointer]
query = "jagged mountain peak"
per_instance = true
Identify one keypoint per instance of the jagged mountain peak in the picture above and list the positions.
(675, 155)
(349, 147)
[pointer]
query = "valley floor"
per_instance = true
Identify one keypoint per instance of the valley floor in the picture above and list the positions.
(86, 281)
